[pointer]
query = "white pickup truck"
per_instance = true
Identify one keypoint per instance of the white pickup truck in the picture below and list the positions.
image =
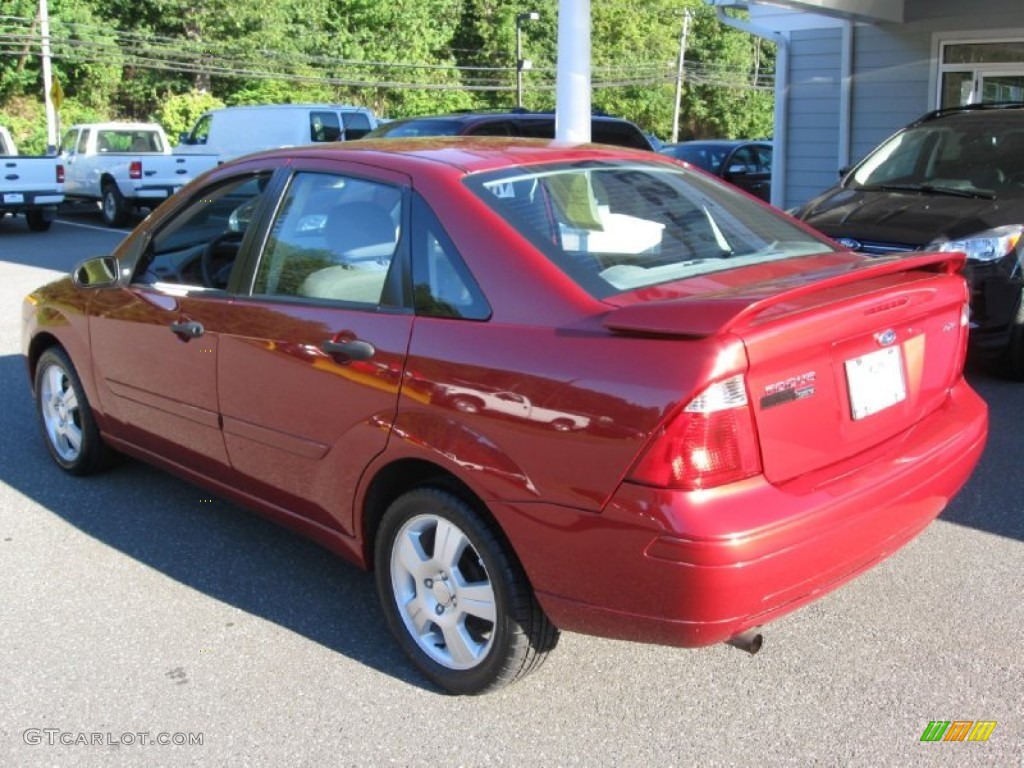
(125, 166)
(29, 185)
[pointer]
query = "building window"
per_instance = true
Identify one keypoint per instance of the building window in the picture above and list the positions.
(974, 71)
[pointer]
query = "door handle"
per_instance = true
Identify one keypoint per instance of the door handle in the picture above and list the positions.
(188, 330)
(354, 349)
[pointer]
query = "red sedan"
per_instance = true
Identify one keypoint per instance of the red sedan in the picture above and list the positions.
(534, 387)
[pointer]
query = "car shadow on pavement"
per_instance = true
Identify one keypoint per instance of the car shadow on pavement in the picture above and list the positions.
(991, 500)
(53, 249)
(201, 541)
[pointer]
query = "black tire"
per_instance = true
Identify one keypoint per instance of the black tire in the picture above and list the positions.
(38, 221)
(113, 207)
(467, 404)
(456, 588)
(65, 416)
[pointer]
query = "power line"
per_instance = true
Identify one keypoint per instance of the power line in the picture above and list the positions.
(181, 56)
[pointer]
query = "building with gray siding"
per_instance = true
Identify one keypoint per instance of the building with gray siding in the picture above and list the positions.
(851, 72)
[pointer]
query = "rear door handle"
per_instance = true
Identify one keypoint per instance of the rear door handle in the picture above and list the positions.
(188, 330)
(354, 349)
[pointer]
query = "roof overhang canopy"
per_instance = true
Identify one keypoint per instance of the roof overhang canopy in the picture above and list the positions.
(871, 11)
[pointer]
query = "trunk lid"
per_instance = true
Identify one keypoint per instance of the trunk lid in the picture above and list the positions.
(840, 359)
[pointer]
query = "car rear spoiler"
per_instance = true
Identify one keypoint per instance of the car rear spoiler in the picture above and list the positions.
(712, 314)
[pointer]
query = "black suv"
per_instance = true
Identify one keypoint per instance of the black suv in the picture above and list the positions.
(951, 181)
(532, 125)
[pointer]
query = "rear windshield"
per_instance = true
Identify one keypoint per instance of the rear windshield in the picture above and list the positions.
(420, 128)
(617, 226)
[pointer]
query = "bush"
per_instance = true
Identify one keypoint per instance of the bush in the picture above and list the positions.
(177, 113)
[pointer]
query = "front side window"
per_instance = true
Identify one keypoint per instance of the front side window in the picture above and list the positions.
(750, 160)
(67, 144)
(202, 130)
(197, 249)
(324, 126)
(333, 239)
(704, 156)
(617, 226)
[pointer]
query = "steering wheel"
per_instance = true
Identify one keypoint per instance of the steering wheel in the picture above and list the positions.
(218, 258)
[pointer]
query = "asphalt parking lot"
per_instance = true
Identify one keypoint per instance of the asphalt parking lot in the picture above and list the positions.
(137, 608)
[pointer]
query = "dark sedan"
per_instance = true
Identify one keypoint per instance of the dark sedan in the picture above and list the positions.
(746, 164)
(533, 387)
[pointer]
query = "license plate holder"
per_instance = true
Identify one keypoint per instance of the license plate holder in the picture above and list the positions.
(875, 381)
(13, 197)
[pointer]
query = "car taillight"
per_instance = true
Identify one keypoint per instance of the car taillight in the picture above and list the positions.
(710, 442)
(135, 170)
(60, 173)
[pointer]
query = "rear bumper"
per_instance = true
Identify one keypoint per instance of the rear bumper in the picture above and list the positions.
(16, 202)
(693, 569)
(148, 192)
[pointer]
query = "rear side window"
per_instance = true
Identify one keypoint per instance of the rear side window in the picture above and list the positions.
(492, 128)
(619, 134)
(333, 239)
(442, 284)
(357, 125)
(421, 128)
(537, 129)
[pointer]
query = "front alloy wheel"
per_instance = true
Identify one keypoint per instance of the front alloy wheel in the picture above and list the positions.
(64, 413)
(454, 597)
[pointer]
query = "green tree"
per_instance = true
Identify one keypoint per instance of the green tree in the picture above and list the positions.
(124, 59)
(178, 112)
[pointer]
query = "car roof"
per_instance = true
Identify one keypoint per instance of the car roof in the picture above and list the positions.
(477, 117)
(121, 126)
(287, 107)
(717, 142)
(464, 154)
(990, 107)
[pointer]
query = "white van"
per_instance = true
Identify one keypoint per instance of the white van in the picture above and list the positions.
(234, 131)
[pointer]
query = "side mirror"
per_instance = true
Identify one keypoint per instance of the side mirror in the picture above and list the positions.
(99, 272)
(737, 170)
(183, 137)
(843, 171)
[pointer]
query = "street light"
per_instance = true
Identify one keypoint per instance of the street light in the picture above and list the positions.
(521, 63)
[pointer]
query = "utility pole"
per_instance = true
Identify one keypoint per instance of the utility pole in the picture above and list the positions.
(679, 75)
(522, 64)
(51, 115)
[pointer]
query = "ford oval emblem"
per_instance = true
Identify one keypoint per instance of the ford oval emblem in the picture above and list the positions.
(885, 338)
(849, 242)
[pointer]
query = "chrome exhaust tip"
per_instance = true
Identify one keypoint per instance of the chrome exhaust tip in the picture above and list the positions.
(749, 641)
